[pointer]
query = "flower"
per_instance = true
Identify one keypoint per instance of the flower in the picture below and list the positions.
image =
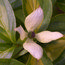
(32, 21)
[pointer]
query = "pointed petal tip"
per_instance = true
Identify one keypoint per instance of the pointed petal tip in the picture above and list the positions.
(39, 6)
(47, 36)
(39, 57)
(58, 34)
(20, 26)
(40, 10)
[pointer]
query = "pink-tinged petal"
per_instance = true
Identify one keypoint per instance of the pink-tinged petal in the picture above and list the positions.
(21, 31)
(33, 20)
(34, 49)
(47, 36)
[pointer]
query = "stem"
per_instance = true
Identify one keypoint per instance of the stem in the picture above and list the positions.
(16, 55)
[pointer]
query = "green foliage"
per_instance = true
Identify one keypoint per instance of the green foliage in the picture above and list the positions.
(45, 59)
(60, 60)
(7, 25)
(10, 62)
(33, 61)
(54, 52)
(7, 53)
(54, 48)
(29, 6)
(57, 23)
(61, 4)
(7, 20)
(53, 2)
(19, 14)
(47, 9)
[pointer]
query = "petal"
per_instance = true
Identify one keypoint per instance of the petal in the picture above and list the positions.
(47, 36)
(33, 20)
(21, 31)
(34, 49)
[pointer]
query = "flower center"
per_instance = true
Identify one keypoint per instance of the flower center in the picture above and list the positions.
(31, 34)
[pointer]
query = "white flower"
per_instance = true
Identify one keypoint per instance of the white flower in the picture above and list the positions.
(32, 21)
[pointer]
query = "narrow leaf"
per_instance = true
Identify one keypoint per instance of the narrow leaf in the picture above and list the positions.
(57, 23)
(33, 61)
(7, 53)
(45, 59)
(55, 49)
(10, 62)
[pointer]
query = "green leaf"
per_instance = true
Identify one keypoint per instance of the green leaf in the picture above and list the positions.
(22, 52)
(4, 35)
(53, 2)
(4, 46)
(24, 57)
(61, 4)
(19, 14)
(33, 61)
(16, 52)
(15, 3)
(45, 59)
(60, 60)
(7, 53)
(29, 6)
(57, 23)
(55, 49)
(7, 19)
(47, 9)
(2, 41)
(10, 62)
(19, 49)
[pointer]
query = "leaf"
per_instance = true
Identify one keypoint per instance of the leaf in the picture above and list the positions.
(45, 59)
(24, 57)
(57, 23)
(22, 52)
(7, 53)
(61, 5)
(19, 49)
(4, 35)
(15, 3)
(33, 61)
(17, 6)
(16, 52)
(19, 14)
(10, 62)
(53, 2)
(4, 46)
(55, 49)
(7, 19)
(29, 6)
(2, 41)
(60, 60)
(47, 9)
